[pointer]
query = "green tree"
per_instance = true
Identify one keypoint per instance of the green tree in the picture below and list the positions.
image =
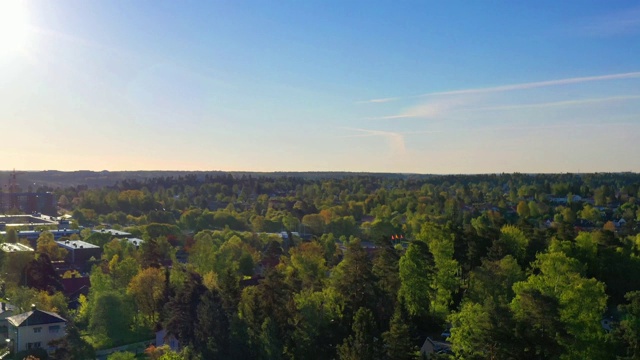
(628, 329)
(362, 344)
(147, 289)
(11, 236)
(182, 309)
(272, 298)
(72, 346)
(40, 274)
(580, 302)
(123, 271)
(494, 280)
(386, 267)
(307, 265)
(416, 279)
(539, 328)
(111, 317)
(314, 223)
(111, 249)
(398, 342)
(523, 209)
(353, 279)
(476, 332)
(446, 280)
(483, 327)
(271, 344)
(590, 213)
(512, 241)
(316, 320)
(47, 245)
(212, 327)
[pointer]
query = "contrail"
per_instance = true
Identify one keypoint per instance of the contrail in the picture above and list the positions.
(538, 84)
(514, 87)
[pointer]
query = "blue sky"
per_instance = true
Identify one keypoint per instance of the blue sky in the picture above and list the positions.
(408, 86)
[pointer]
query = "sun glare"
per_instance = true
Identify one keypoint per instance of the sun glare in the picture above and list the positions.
(14, 27)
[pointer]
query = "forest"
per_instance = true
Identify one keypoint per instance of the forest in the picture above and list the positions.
(355, 266)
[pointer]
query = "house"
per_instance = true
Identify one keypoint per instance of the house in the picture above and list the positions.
(162, 338)
(431, 346)
(35, 329)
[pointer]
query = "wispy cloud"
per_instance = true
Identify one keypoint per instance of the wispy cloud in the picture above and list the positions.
(428, 110)
(537, 84)
(571, 125)
(378, 101)
(521, 86)
(557, 103)
(394, 139)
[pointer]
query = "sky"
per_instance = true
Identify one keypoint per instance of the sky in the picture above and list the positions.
(433, 87)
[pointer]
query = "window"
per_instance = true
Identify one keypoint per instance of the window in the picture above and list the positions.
(34, 345)
(54, 329)
(37, 330)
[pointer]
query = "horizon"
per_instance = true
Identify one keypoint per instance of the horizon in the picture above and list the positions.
(323, 172)
(397, 88)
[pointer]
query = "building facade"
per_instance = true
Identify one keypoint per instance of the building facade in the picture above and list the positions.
(35, 329)
(28, 202)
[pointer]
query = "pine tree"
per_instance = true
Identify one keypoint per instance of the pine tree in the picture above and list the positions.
(398, 341)
(362, 344)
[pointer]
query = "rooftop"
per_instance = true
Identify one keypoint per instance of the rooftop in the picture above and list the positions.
(76, 244)
(112, 232)
(135, 241)
(17, 247)
(35, 317)
(21, 220)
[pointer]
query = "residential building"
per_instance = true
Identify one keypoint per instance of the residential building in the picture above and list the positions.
(35, 329)
(114, 233)
(28, 202)
(15, 248)
(79, 253)
(163, 338)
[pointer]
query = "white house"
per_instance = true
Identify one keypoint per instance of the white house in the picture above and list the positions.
(35, 329)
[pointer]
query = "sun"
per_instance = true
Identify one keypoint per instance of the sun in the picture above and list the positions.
(14, 27)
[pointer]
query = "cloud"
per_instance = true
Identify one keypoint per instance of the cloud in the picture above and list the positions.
(516, 87)
(551, 126)
(395, 140)
(557, 103)
(432, 109)
(378, 101)
(428, 110)
(537, 84)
